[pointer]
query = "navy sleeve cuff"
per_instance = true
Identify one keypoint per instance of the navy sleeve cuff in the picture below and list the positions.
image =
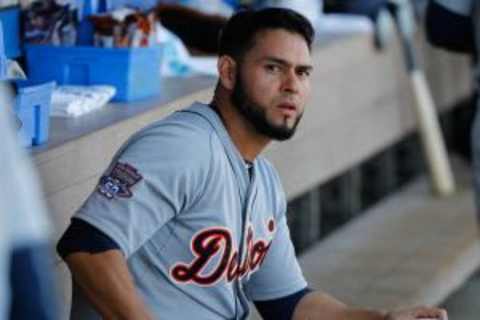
(281, 308)
(81, 236)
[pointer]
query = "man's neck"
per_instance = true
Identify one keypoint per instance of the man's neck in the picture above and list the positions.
(244, 136)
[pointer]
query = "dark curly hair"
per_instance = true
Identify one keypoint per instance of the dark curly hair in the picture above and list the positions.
(238, 35)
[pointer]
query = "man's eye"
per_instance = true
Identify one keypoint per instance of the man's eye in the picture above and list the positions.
(272, 68)
(304, 73)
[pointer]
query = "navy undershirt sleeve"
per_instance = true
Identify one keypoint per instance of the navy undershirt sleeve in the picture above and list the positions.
(449, 30)
(81, 236)
(281, 308)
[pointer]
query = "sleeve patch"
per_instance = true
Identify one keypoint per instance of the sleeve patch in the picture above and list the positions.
(119, 182)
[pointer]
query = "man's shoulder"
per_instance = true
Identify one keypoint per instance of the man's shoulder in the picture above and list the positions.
(181, 137)
(181, 129)
(180, 124)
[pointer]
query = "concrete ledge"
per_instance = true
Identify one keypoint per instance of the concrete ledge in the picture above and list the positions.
(411, 249)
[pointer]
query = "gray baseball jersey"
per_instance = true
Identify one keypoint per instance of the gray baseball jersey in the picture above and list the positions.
(202, 236)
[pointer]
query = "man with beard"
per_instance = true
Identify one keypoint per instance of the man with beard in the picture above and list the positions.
(189, 220)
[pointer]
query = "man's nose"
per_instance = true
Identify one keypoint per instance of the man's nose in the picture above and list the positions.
(291, 82)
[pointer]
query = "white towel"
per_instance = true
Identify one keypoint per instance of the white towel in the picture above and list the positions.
(74, 101)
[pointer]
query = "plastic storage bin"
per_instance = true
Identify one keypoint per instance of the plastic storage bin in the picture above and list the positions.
(32, 109)
(10, 19)
(134, 72)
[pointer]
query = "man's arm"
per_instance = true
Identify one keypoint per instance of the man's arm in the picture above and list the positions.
(320, 306)
(99, 268)
(106, 281)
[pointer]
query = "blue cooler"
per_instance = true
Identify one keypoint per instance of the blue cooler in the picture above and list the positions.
(134, 72)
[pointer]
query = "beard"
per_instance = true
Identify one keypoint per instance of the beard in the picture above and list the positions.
(257, 115)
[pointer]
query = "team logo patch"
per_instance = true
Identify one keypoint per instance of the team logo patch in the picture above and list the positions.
(119, 182)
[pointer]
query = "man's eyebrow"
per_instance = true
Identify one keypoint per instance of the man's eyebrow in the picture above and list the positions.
(286, 63)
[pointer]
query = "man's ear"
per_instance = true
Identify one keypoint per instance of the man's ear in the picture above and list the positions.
(227, 70)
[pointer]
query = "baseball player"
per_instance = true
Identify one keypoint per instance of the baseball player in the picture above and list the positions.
(189, 220)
